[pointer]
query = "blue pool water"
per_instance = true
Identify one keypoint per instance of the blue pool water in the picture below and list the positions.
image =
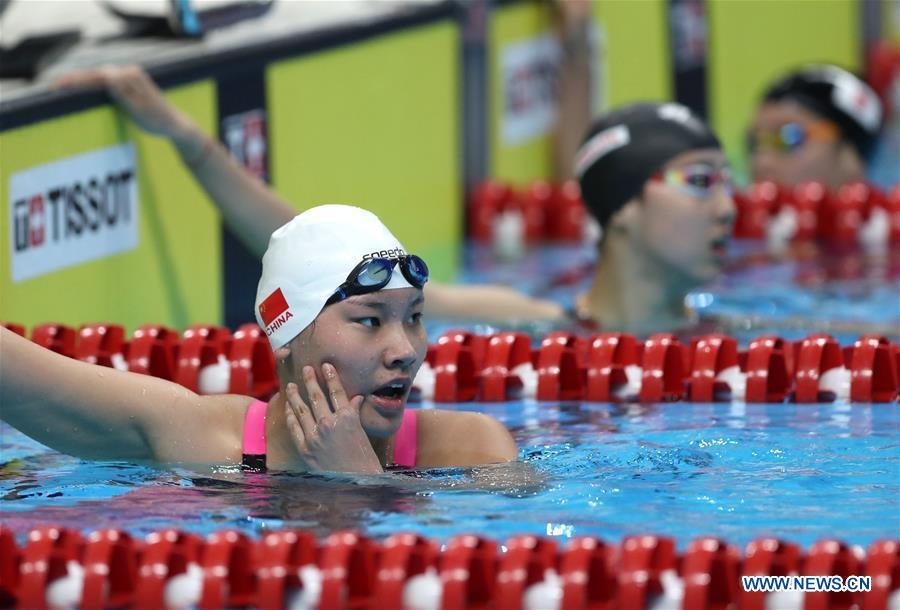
(800, 472)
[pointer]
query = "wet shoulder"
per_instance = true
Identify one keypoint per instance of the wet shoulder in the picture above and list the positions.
(461, 438)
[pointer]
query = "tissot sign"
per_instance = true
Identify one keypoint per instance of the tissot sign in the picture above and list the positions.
(72, 211)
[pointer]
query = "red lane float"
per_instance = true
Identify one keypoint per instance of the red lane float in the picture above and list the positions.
(468, 573)
(458, 358)
(404, 558)
(559, 374)
(101, 344)
(506, 351)
(664, 369)
(110, 563)
(58, 338)
(588, 573)
(767, 557)
(167, 554)
(289, 568)
(711, 354)
(281, 557)
(873, 371)
(201, 346)
(768, 371)
(642, 562)
(609, 356)
(152, 351)
(252, 363)
(556, 212)
(527, 561)
(883, 567)
(463, 366)
(710, 572)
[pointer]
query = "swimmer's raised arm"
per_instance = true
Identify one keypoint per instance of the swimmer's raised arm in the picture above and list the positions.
(249, 207)
(253, 211)
(100, 413)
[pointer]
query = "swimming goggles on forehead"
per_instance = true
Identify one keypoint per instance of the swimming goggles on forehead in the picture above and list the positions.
(791, 136)
(697, 180)
(374, 274)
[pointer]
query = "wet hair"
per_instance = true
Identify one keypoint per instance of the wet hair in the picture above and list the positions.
(836, 95)
(625, 147)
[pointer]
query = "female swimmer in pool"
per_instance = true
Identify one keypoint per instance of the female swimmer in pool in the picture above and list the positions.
(341, 302)
(664, 203)
(816, 123)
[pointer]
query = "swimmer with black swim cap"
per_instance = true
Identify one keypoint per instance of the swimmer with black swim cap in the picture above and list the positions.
(817, 123)
(655, 178)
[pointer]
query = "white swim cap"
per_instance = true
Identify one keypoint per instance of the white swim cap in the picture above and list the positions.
(309, 257)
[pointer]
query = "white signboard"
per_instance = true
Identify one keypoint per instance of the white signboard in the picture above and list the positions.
(72, 211)
(530, 72)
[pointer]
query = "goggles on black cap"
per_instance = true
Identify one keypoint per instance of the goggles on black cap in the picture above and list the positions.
(626, 147)
(837, 96)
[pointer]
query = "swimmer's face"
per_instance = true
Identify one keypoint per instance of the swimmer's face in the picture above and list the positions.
(373, 340)
(685, 219)
(791, 145)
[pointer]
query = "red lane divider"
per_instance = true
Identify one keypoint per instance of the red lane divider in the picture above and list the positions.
(665, 366)
(609, 356)
(101, 344)
(348, 571)
(556, 212)
(349, 563)
(152, 351)
(710, 572)
(16, 328)
(883, 566)
(468, 573)
(767, 557)
(642, 562)
(458, 358)
(504, 366)
(505, 351)
(526, 562)
(252, 363)
(404, 557)
(873, 371)
(110, 570)
(46, 558)
(55, 337)
(588, 573)
(712, 354)
(201, 346)
(10, 565)
(166, 555)
(559, 374)
(229, 578)
(826, 558)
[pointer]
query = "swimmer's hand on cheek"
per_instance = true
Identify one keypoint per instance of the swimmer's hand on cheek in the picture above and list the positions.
(327, 432)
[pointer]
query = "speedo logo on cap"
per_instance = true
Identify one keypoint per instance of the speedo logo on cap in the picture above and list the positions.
(274, 311)
(388, 254)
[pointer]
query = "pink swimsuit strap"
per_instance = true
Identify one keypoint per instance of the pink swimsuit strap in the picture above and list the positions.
(254, 444)
(406, 441)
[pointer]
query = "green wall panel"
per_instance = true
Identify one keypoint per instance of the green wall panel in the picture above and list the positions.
(173, 277)
(376, 125)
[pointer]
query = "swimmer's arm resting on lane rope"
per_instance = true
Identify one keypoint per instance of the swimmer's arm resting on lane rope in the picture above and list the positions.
(253, 211)
(94, 412)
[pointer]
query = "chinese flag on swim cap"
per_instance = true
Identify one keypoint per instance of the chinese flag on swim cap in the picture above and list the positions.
(274, 305)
